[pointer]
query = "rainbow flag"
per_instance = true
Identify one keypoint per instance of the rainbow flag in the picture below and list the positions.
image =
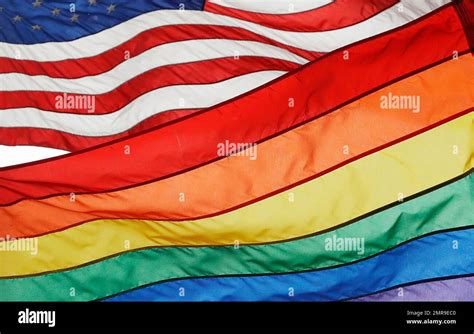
(330, 162)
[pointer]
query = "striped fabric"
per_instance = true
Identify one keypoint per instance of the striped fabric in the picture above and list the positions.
(328, 159)
(451, 289)
(72, 80)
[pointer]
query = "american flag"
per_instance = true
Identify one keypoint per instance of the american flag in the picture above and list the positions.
(80, 73)
(236, 150)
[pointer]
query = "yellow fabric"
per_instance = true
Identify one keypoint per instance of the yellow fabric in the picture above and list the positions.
(332, 199)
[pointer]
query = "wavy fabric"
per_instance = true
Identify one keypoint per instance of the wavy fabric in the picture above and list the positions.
(277, 7)
(148, 39)
(163, 99)
(96, 18)
(42, 137)
(86, 38)
(355, 187)
(411, 166)
(247, 180)
(322, 41)
(446, 290)
(131, 72)
(404, 264)
(440, 209)
(154, 80)
(192, 141)
(300, 15)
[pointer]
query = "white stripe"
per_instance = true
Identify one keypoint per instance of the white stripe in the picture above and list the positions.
(273, 6)
(167, 54)
(314, 41)
(13, 155)
(154, 102)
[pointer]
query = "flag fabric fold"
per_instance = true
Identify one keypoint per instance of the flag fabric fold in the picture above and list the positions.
(238, 151)
(36, 106)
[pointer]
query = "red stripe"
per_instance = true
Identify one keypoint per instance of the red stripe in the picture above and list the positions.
(339, 14)
(76, 68)
(256, 116)
(466, 14)
(201, 72)
(69, 142)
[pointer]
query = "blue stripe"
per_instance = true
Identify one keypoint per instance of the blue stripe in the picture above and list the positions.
(92, 18)
(426, 258)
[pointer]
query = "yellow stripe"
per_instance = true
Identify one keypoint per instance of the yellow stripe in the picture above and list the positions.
(346, 193)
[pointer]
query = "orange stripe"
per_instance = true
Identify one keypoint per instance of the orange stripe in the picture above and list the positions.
(305, 151)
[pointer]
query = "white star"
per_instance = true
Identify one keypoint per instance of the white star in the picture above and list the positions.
(17, 18)
(1, 9)
(37, 3)
(75, 18)
(92, 2)
(36, 27)
(111, 8)
(56, 11)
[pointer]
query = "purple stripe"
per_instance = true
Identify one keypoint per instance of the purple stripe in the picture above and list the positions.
(455, 289)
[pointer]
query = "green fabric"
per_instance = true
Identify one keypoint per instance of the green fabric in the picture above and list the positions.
(443, 208)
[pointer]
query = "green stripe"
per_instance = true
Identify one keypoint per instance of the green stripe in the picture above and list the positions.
(443, 208)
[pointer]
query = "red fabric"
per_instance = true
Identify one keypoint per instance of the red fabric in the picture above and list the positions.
(148, 39)
(339, 14)
(201, 72)
(69, 142)
(318, 88)
(465, 10)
